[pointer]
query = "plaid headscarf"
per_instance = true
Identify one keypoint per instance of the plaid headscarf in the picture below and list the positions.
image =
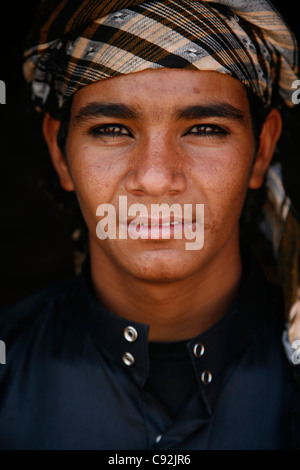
(75, 43)
(79, 42)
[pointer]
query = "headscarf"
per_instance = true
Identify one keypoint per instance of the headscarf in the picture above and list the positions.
(79, 42)
(75, 43)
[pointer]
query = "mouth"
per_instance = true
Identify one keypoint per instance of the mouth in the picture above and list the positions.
(158, 229)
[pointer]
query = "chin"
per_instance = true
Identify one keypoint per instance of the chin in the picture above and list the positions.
(161, 266)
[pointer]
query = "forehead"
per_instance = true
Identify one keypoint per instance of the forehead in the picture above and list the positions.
(165, 89)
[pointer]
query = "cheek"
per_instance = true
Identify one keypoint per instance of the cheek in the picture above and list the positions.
(223, 180)
(96, 178)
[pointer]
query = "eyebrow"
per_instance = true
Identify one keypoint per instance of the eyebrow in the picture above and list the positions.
(223, 110)
(119, 110)
(95, 110)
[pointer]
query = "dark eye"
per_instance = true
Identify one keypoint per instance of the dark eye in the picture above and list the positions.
(109, 130)
(208, 130)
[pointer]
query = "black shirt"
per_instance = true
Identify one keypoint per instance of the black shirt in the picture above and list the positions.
(79, 377)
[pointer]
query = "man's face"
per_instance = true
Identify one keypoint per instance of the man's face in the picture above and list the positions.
(162, 136)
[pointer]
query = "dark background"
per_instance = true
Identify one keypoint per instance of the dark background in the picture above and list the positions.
(35, 245)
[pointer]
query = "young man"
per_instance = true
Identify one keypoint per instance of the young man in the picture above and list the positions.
(159, 116)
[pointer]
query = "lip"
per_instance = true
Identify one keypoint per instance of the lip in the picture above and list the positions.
(158, 229)
(152, 222)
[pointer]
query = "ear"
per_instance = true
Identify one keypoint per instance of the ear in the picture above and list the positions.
(50, 131)
(269, 136)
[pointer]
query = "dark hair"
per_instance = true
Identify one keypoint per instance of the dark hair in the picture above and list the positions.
(252, 214)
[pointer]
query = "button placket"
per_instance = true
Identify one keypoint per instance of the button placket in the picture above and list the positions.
(206, 375)
(130, 335)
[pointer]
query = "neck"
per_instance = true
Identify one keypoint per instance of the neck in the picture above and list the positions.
(176, 310)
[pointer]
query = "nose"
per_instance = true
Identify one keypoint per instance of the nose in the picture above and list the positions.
(157, 168)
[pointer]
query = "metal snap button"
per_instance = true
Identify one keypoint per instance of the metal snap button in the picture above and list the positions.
(130, 334)
(198, 350)
(206, 377)
(128, 359)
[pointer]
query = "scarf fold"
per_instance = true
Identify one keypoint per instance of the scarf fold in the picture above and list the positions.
(78, 43)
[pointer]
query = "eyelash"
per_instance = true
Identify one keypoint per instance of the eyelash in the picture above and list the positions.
(99, 131)
(214, 131)
(210, 130)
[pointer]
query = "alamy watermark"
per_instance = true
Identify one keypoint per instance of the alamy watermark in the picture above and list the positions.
(295, 357)
(164, 222)
(2, 352)
(2, 92)
(296, 93)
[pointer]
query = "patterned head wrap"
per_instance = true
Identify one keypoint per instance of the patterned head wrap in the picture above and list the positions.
(79, 42)
(75, 43)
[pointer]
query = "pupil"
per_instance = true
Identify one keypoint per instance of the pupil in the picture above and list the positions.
(112, 129)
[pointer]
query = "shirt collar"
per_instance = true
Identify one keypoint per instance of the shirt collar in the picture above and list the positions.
(126, 342)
